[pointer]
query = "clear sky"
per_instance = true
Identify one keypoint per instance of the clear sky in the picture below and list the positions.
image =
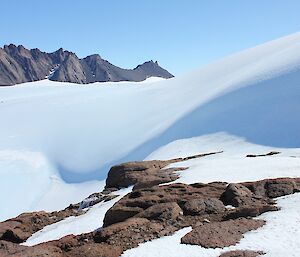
(179, 34)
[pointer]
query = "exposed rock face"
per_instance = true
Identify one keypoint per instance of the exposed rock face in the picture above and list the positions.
(221, 234)
(161, 211)
(145, 174)
(274, 187)
(69, 246)
(139, 201)
(149, 69)
(201, 206)
(19, 229)
(132, 232)
(19, 65)
(255, 198)
(70, 70)
(141, 174)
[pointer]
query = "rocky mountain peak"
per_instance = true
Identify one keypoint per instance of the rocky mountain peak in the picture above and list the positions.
(19, 65)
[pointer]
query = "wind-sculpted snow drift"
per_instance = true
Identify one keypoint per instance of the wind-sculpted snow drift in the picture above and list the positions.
(80, 131)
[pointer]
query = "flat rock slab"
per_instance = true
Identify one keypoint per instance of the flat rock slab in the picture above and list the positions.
(221, 234)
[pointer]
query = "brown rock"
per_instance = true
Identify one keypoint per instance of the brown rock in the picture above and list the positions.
(194, 207)
(138, 201)
(239, 253)
(119, 214)
(16, 250)
(250, 211)
(131, 232)
(130, 173)
(237, 195)
(221, 234)
(150, 213)
(161, 211)
(279, 188)
(19, 229)
(202, 206)
(145, 174)
(273, 188)
(95, 250)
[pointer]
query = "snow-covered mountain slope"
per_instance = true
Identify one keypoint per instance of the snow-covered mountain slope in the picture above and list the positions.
(80, 131)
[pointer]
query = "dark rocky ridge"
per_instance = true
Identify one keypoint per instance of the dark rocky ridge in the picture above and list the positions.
(19, 65)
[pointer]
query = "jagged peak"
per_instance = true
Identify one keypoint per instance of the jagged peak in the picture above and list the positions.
(147, 63)
(93, 56)
(21, 47)
(10, 46)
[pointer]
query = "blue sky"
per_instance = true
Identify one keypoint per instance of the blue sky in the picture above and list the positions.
(181, 35)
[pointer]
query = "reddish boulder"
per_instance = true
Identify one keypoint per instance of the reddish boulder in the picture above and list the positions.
(221, 234)
(203, 206)
(237, 195)
(131, 173)
(161, 211)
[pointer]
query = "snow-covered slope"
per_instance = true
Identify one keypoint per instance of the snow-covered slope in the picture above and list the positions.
(232, 165)
(75, 133)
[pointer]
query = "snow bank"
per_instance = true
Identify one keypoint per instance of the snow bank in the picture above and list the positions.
(29, 182)
(232, 165)
(81, 130)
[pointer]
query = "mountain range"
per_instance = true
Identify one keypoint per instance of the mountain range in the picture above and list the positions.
(19, 65)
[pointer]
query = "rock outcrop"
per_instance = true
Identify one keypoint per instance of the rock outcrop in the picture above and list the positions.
(151, 211)
(146, 174)
(19, 229)
(221, 234)
(19, 65)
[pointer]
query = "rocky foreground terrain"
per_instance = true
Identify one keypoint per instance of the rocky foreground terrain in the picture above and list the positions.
(219, 213)
(19, 65)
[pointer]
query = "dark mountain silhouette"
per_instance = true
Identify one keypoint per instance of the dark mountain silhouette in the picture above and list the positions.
(19, 65)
